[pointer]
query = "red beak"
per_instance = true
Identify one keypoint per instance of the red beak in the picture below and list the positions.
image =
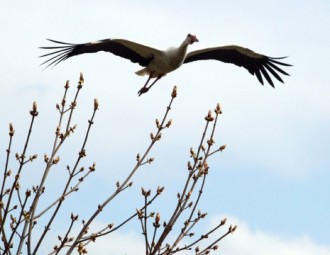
(194, 39)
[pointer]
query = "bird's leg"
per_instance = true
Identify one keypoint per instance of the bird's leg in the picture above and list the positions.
(159, 76)
(146, 89)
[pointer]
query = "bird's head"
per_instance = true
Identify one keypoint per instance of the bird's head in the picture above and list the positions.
(191, 39)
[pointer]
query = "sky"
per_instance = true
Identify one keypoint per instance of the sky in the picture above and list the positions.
(273, 178)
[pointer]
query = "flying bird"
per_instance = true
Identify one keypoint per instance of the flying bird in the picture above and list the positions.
(158, 63)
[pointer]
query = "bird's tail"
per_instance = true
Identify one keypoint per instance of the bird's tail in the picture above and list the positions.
(142, 72)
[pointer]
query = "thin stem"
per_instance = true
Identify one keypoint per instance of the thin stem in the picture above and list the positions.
(213, 243)
(34, 114)
(181, 203)
(118, 190)
(153, 238)
(101, 233)
(73, 105)
(81, 155)
(73, 189)
(44, 177)
(201, 238)
(145, 230)
(5, 175)
(6, 168)
(185, 230)
(19, 220)
(65, 239)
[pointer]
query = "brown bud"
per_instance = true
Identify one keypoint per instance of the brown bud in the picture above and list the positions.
(138, 157)
(82, 153)
(33, 157)
(139, 213)
(223, 221)
(11, 129)
(57, 132)
(96, 104)
(205, 165)
(159, 136)
(56, 160)
(17, 185)
(81, 79)
(169, 123)
(210, 142)
(157, 219)
(74, 217)
(217, 109)
(73, 104)
(28, 193)
(34, 111)
(209, 116)
(157, 123)
(222, 147)
(92, 167)
(203, 215)
(34, 106)
(192, 153)
(174, 92)
(160, 190)
(67, 85)
(231, 229)
(151, 160)
(26, 215)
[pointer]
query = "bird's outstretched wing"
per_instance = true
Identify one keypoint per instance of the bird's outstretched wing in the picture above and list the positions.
(255, 63)
(137, 53)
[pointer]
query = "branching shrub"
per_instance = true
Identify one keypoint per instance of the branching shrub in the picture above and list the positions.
(20, 210)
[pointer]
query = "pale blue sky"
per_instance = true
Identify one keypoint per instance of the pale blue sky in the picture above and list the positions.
(274, 175)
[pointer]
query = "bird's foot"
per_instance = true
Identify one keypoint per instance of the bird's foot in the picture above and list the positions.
(143, 90)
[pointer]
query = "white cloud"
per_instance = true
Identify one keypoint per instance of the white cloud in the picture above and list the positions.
(118, 243)
(246, 241)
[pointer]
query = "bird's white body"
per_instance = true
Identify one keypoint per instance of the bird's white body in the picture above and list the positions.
(166, 61)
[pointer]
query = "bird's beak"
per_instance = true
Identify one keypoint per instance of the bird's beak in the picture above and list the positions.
(194, 39)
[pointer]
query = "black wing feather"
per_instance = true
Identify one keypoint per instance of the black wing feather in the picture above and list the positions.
(256, 64)
(68, 50)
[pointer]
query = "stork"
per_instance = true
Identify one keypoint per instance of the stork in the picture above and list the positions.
(158, 63)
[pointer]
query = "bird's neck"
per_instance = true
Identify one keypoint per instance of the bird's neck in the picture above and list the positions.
(182, 50)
